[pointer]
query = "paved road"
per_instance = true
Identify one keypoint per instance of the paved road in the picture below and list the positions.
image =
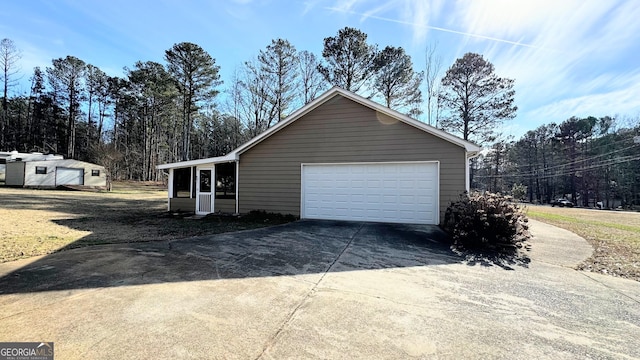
(316, 289)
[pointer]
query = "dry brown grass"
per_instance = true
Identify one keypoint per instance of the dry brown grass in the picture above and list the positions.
(38, 222)
(614, 235)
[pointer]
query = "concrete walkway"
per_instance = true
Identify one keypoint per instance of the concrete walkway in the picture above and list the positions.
(557, 246)
(314, 289)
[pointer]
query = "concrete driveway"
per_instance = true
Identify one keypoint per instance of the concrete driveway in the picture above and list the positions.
(319, 289)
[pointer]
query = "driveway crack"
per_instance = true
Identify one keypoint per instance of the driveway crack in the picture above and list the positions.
(290, 317)
(584, 273)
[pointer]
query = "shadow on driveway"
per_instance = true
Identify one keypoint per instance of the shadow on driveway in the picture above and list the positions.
(299, 248)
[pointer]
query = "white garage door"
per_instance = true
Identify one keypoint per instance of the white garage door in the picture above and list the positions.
(68, 176)
(382, 192)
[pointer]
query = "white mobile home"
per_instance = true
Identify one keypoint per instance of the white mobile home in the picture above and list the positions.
(53, 173)
(8, 156)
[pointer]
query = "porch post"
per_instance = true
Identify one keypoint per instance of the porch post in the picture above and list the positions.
(192, 170)
(213, 188)
(170, 189)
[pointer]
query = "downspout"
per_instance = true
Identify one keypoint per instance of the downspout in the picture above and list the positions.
(237, 187)
(467, 169)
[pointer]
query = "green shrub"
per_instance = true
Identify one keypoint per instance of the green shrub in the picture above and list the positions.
(267, 217)
(486, 221)
(519, 191)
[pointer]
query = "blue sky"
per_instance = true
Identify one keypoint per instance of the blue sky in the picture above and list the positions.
(569, 57)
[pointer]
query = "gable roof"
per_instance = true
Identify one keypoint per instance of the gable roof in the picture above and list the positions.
(469, 147)
(336, 91)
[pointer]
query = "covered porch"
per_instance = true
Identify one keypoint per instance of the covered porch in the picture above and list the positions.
(203, 186)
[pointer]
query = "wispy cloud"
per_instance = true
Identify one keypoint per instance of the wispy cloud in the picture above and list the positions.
(345, 6)
(420, 13)
(573, 57)
(592, 75)
(376, 10)
(422, 26)
(610, 103)
(309, 5)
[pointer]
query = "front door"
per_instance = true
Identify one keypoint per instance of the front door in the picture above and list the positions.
(204, 191)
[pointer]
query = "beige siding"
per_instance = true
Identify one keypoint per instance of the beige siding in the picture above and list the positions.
(90, 180)
(225, 205)
(33, 179)
(182, 204)
(338, 131)
(189, 204)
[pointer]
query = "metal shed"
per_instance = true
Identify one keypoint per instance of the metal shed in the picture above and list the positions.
(54, 172)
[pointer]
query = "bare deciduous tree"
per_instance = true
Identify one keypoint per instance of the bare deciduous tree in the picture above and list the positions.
(9, 57)
(431, 79)
(311, 80)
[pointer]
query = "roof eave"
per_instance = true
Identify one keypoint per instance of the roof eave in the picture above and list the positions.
(230, 157)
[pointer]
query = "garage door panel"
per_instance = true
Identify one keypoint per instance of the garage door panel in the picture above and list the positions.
(386, 192)
(389, 184)
(420, 199)
(341, 198)
(389, 199)
(341, 184)
(69, 176)
(374, 183)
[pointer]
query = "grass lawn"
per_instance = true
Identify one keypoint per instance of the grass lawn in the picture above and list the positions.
(614, 235)
(38, 222)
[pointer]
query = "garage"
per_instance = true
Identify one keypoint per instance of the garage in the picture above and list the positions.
(343, 156)
(398, 192)
(69, 176)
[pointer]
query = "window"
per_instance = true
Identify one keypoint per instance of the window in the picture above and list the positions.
(41, 170)
(182, 183)
(95, 172)
(226, 181)
(205, 181)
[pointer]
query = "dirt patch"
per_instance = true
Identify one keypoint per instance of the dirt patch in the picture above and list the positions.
(614, 235)
(38, 222)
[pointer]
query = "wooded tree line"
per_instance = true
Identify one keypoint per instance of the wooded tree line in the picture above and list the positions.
(587, 160)
(158, 113)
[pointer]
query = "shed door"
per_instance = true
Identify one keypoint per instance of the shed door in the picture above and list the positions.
(69, 176)
(381, 192)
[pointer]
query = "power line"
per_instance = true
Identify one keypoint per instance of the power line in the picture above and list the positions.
(542, 168)
(608, 162)
(564, 165)
(539, 164)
